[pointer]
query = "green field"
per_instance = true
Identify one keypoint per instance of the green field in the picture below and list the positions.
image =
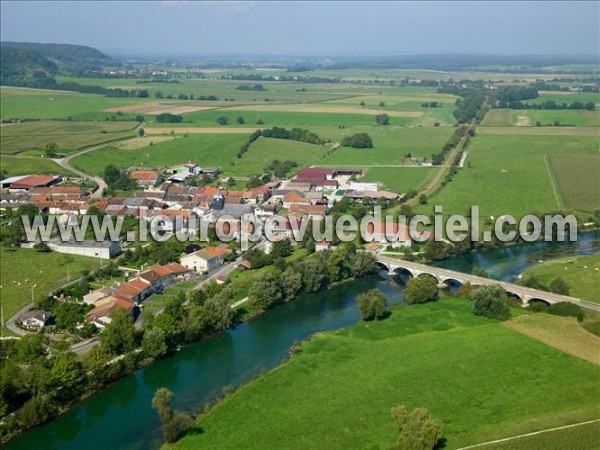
(399, 179)
(21, 103)
(578, 178)
(582, 273)
(481, 379)
(21, 269)
(508, 174)
(70, 136)
(504, 117)
(206, 149)
(566, 97)
(498, 117)
(580, 118)
(585, 436)
(25, 165)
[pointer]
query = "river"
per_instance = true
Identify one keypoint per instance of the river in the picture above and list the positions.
(121, 416)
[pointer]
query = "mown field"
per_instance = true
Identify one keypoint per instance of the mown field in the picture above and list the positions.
(582, 273)
(399, 179)
(21, 269)
(509, 174)
(481, 379)
(578, 177)
(70, 136)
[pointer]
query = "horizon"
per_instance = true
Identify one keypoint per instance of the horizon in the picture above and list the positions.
(277, 29)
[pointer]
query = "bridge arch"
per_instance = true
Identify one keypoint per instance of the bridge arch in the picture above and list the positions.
(451, 282)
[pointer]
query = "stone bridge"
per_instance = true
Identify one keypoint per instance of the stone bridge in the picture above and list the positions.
(446, 276)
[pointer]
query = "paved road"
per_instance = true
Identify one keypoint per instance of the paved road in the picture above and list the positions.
(64, 163)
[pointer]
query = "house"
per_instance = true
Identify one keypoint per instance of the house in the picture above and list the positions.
(200, 261)
(394, 234)
(36, 319)
(136, 290)
(294, 198)
(100, 315)
(322, 246)
(145, 177)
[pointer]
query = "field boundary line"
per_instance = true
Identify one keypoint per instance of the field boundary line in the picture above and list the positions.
(555, 184)
(529, 434)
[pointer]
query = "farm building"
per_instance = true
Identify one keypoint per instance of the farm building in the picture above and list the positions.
(95, 249)
(146, 177)
(29, 182)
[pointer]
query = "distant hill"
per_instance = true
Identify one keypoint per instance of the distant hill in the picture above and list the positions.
(50, 57)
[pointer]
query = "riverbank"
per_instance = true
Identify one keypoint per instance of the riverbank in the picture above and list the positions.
(338, 388)
(198, 373)
(581, 273)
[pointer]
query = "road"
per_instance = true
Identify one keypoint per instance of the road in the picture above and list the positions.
(64, 163)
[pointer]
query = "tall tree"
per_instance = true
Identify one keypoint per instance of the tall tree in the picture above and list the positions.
(418, 431)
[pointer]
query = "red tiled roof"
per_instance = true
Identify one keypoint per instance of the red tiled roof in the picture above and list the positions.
(32, 181)
(148, 175)
(176, 268)
(314, 173)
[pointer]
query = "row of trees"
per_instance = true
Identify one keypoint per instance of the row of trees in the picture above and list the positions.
(284, 282)
(169, 118)
(549, 104)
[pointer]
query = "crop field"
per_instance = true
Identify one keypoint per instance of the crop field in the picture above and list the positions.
(508, 174)
(399, 179)
(504, 117)
(20, 103)
(579, 178)
(578, 118)
(540, 131)
(422, 356)
(70, 136)
(25, 165)
(582, 274)
(566, 97)
(498, 117)
(23, 268)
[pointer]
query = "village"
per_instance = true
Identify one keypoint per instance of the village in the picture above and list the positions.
(310, 194)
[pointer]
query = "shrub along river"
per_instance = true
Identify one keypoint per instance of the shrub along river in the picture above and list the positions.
(121, 415)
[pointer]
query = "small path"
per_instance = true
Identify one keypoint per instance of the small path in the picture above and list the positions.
(554, 182)
(529, 434)
(239, 302)
(463, 158)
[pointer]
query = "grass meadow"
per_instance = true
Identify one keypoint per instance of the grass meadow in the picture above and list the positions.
(509, 174)
(22, 268)
(481, 379)
(25, 165)
(578, 177)
(504, 117)
(399, 179)
(578, 271)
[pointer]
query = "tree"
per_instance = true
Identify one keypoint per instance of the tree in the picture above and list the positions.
(559, 286)
(51, 148)
(418, 431)
(372, 305)
(154, 343)
(141, 132)
(436, 250)
(421, 289)
(382, 119)
(259, 120)
(65, 370)
(480, 272)
(381, 104)
(222, 120)
(422, 199)
(119, 335)
(491, 301)
(240, 120)
(531, 281)
(175, 423)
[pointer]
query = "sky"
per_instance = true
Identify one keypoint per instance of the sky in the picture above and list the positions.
(164, 28)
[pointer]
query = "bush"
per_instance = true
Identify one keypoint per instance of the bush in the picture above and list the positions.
(491, 301)
(372, 305)
(421, 289)
(566, 309)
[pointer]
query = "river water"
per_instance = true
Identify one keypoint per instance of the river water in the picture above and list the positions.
(121, 416)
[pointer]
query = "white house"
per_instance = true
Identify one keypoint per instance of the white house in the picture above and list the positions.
(200, 261)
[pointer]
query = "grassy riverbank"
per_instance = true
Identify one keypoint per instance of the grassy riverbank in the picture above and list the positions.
(483, 380)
